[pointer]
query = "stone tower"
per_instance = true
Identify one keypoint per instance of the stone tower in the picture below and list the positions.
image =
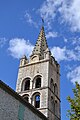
(39, 79)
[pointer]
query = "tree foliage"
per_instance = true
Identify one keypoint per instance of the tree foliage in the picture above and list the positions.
(74, 112)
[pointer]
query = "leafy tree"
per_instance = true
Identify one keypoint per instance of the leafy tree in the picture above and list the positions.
(74, 112)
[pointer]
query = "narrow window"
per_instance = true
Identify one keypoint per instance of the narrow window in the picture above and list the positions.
(38, 83)
(52, 104)
(27, 85)
(52, 85)
(55, 89)
(56, 107)
(37, 101)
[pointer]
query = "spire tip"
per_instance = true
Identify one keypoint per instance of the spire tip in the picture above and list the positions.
(42, 22)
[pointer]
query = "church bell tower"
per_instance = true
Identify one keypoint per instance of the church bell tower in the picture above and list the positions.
(39, 79)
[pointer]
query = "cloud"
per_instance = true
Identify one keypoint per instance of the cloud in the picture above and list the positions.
(51, 35)
(64, 54)
(74, 75)
(2, 42)
(29, 19)
(71, 14)
(48, 11)
(68, 11)
(59, 53)
(18, 47)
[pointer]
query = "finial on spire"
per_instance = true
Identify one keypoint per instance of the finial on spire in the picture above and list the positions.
(42, 22)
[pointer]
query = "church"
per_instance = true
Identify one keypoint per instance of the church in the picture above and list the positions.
(38, 82)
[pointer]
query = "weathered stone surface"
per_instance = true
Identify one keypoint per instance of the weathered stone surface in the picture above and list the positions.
(16, 109)
(42, 64)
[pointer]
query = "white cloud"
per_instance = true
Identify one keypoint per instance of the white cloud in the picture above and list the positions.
(2, 42)
(69, 11)
(29, 19)
(72, 55)
(59, 53)
(48, 11)
(18, 47)
(65, 54)
(71, 14)
(51, 35)
(74, 75)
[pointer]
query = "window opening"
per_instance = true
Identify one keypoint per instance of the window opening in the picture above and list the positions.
(56, 107)
(38, 82)
(52, 103)
(52, 85)
(56, 89)
(27, 85)
(37, 101)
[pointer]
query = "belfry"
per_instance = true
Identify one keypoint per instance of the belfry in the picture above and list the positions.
(39, 79)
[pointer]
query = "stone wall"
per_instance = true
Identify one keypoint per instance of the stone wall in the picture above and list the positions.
(13, 107)
(32, 70)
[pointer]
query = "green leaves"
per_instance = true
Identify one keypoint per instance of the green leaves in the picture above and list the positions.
(74, 112)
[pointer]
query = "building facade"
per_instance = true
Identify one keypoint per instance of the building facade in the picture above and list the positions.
(39, 79)
(14, 107)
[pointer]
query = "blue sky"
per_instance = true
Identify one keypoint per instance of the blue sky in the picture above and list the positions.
(20, 23)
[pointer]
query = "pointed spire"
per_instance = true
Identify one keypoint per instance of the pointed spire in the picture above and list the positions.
(41, 44)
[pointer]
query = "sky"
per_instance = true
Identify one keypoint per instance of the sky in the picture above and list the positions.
(20, 24)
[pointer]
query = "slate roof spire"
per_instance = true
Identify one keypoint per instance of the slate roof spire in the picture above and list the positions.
(41, 44)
